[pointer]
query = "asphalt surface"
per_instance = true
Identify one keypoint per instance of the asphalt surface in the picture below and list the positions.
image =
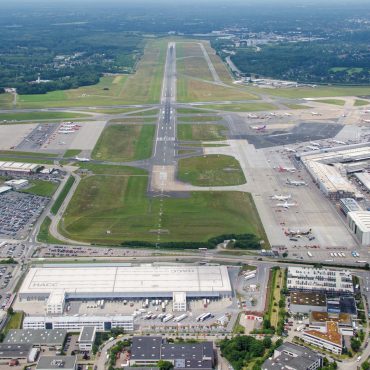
(164, 146)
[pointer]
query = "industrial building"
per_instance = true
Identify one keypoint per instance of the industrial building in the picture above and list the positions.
(364, 178)
(328, 168)
(57, 363)
(359, 223)
(305, 302)
(17, 184)
(86, 338)
(17, 168)
(318, 322)
(4, 189)
(17, 352)
(146, 351)
(293, 357)
(57, 283)
(38, 338)
(76, 323)
(331, 339)
(349, 205)
(319, 280)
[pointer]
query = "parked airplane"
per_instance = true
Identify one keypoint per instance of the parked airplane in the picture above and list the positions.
(287, 114)
(314, 144)
(273, 114)
(316, 114)
(65, 131)
(286, 205)
(295, 182)
(281, 197)
(290, 232)
(252, 115)
(286, 169)
(339, 142)
(259, 128)
(366, 120)
(291, 150)
(82, 159)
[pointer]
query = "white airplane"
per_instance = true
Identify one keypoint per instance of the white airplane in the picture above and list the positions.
(252, 115)
(286, 169)
(310, 147)
(366, 120)
(290, 150)
(286, 205)
(366, 111)
(314, 144)
(316, 114)
(339, 142)
(259, 128)
(273, 114)
(295, 182)
(61, 143)
(280, 197)
(66, 131)
(287, 114)
(82, 159)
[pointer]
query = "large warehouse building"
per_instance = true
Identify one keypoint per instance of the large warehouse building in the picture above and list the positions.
(56, 283)
(359, 223)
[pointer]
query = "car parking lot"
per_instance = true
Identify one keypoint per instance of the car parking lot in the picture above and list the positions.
(10, 250)
(19, 211)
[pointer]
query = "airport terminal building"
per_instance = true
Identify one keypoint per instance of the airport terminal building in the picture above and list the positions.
(58, 283)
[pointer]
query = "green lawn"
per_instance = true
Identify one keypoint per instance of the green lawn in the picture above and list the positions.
(198, 118)
(32, 116)
(361, 103)
(296, 106)
(26, 154)
(108, 209)
(191, 110)
(44, 235)
(211, 170)
(40, 187)
(247, 107)
(71, 153)
(99, 169)
(120, 143)
(331, 101)
(14, 322)
(201, 132)
(60, 199)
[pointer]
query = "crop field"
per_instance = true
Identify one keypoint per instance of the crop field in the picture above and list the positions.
(108, 209)
(201, 132)
(247, 107)
(120, 143)
(211, 170)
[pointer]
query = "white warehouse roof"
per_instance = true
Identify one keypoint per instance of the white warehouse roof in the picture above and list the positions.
(361, 219)
(116, 280)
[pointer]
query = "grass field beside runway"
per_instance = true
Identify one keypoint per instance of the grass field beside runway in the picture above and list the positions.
(113, 209)
(120, 143)
(198, 118)
(28, 116)
(339, 102)
(6, 101)
(193, 90)
(190, 61)
(317, 92)
(248, 107)
(361, 103)
(144, 86)
(210, 170)
(200, 132)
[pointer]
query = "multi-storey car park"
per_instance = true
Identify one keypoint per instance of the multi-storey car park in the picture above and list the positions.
(58, 283)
